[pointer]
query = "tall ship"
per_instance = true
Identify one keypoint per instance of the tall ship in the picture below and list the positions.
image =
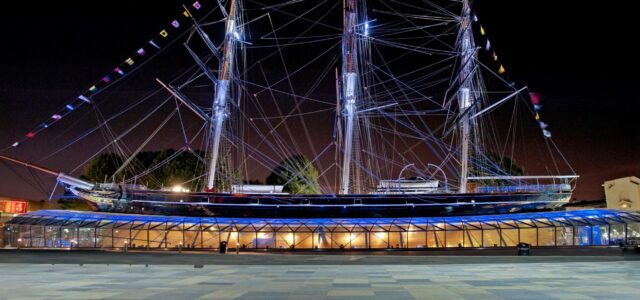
(354, 108)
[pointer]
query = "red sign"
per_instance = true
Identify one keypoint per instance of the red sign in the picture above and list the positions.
(13, 206)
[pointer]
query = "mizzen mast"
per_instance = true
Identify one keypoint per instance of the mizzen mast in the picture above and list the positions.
(220, 106)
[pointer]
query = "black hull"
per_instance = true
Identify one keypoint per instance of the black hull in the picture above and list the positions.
(352, 206)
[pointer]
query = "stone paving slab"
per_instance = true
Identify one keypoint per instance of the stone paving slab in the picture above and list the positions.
(556, 280)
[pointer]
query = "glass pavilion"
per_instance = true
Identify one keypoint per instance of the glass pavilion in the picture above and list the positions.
(60, 229)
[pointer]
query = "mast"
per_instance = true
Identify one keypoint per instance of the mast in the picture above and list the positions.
(225, 75)
(467, 52)
(349, 82)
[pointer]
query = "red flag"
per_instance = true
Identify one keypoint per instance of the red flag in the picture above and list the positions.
(535, 98)
(30, 135)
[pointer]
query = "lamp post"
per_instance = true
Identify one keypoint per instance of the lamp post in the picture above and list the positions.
(400, 174)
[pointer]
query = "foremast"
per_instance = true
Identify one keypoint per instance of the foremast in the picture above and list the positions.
(220, 105)
(467, 50)
(349, 84)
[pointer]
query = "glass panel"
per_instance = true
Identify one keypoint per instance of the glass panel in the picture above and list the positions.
(37, 236)
(417, 239)
(120, 237)
(529, 236)
(248, 239)
(379, 240)
(582, 236)
(210, 239)
(192, 239)
(600, 235)
(303, 240)
(473, 238)
(266, 239)
(454, 238)
(398, 239)
(24, 236)
(174, 239)
(139, 238)
(341, 240)
(52, 235)
(564, 236)
(103, 238)
(491, 238)
(359, 240)
(617, 234)
(157, 239)
(633, 234)
(509, 237)
(87, 237)
(284, 240)
(546, 236)
(322, 239)
(435, 239)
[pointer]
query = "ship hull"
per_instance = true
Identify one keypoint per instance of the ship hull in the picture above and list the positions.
(327, 206)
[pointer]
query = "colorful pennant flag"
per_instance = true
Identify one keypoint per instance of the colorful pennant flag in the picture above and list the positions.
(69, 107)
(129, 61)
(164, 33)
(185, 13)
(56, 117)
(83, 98)
(535, 98)
(175, 24)
(495, 56)
(537, 107)
(482, 32)
(546, 133)
(119, 71)
(475, 18)
(16, 144)
(93, 88)
(537, 117)
(196, 5)
(30, 135)
(141, 52)
(543, 125)
(488, 47)
(106, 79)
(501, 70)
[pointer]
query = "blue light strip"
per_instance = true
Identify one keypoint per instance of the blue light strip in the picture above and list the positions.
(573, 217)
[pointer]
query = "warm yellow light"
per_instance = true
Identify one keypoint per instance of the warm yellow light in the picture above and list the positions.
(289, 239)
(179, 189)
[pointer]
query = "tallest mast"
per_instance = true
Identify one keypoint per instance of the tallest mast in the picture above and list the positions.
(349, 83)
(220, 111)
(467, 53)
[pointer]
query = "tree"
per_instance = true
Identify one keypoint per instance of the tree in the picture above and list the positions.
(182, 168)
(297, 174)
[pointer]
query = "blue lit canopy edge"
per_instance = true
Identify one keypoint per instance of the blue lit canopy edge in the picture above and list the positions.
(524, 220)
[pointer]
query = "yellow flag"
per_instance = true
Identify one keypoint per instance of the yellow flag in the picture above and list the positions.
(501, 70)
(185, 13)
(482, 30)
(537, 117)
(164, 33)
(129, 61)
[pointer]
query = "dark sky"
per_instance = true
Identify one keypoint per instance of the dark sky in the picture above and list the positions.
(579, 55)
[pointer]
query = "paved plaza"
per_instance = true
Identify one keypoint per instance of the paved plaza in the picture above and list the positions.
(612, 278)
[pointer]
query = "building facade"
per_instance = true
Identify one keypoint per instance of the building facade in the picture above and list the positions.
(623, 193)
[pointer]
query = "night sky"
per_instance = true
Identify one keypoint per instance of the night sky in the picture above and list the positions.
(579, 55)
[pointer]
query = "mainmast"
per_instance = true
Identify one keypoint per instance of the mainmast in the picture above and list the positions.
(349, 83)
(467, 66)
(225, 75)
